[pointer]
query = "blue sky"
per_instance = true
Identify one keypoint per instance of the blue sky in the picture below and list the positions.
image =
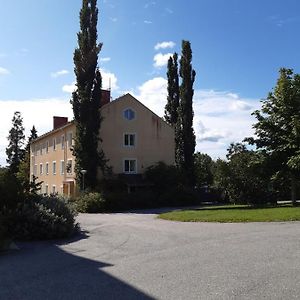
(238, 47)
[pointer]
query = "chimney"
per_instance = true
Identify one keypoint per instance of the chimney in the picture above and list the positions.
(59, 122)
(105, 97)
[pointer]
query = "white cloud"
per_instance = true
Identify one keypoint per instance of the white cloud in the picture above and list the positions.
(69, 88)
(4, 71)
(147, 22)
(46, 108)
(219, 117)
(113, 19)
(147, 5)
(104, 59)
(164, 45)
(109, 80)
(161, 60)
(59, 73)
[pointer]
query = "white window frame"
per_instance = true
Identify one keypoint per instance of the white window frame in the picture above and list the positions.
(134, 112)
(62, 167)
(54, 169)
(46, 188)
(134, 139)
(53, 189)
(47, 146)
(136, 166)
(41, 169)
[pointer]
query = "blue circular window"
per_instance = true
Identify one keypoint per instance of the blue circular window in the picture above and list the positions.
(129, 114)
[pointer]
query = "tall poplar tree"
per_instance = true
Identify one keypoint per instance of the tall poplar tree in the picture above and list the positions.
(186, 135)
(171, 108)
(15, 150)
(86, 99)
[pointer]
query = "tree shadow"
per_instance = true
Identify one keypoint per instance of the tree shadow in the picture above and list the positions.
(42, 270)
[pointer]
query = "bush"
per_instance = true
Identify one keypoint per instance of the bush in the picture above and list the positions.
(91, 203)
(44, 217)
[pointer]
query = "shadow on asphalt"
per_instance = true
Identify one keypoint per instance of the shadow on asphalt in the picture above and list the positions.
(42, 270)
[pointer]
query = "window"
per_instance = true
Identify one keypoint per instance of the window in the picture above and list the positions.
(70, 139)
(62, 142)
(62, 167)
(54, 144)
(41, 149)
(46, 189)
(54, 167)
(47, 146)
(129, 114)
(130, 166)
(69, 166)
(53, 189)
(47, 168)
(129, 139)
(35, 170)
(41, 169)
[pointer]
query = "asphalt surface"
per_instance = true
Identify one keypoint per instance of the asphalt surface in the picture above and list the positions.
(136, 256)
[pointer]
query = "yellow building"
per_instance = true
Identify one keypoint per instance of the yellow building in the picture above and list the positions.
(133, 138)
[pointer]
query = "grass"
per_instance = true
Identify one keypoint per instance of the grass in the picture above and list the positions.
(234, 214)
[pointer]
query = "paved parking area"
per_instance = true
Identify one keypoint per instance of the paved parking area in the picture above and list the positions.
(136, 256)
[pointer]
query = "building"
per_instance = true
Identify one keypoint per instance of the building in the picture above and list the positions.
(133, 138)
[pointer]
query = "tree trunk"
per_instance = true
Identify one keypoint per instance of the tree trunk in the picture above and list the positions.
(293, 190)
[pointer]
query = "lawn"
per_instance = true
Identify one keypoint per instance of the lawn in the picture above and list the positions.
(234, 214)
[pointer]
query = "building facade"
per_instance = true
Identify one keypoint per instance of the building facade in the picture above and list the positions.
(133, 138)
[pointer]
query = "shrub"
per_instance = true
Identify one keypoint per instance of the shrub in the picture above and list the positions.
(44, 217)
(90, 203)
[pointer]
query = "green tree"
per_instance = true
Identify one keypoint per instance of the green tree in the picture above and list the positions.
(23, 174)
(171, 108)
(15, 150)
(203, 169)
(277, 131)
(86, 99)
(185, 132)
(244, 177)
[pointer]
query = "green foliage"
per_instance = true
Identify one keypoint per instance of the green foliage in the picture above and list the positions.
(91, 203)
(277, 129)
(244, 178)
(15, 151)
(86, 100)
(171, 108)
(185, 132)
(44, 217)
(204, 166)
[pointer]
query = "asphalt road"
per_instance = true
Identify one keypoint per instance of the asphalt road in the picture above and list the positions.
(136, 256)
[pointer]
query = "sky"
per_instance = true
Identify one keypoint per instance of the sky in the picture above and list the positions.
(238, 48)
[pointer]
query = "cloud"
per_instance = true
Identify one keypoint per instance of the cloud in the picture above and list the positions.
(113, 19)
(220, 117)
(147, 22)
(105, 59)
(147, 5)
(169, 10)
(161, 60)
(109, 80)
(46, 108)
(59, 73)
(69, 88)
(164, 45)
(4, 71)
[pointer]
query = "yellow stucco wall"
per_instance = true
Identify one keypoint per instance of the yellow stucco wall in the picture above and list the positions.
(154, 138)
(40, 156)
(154, 141)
